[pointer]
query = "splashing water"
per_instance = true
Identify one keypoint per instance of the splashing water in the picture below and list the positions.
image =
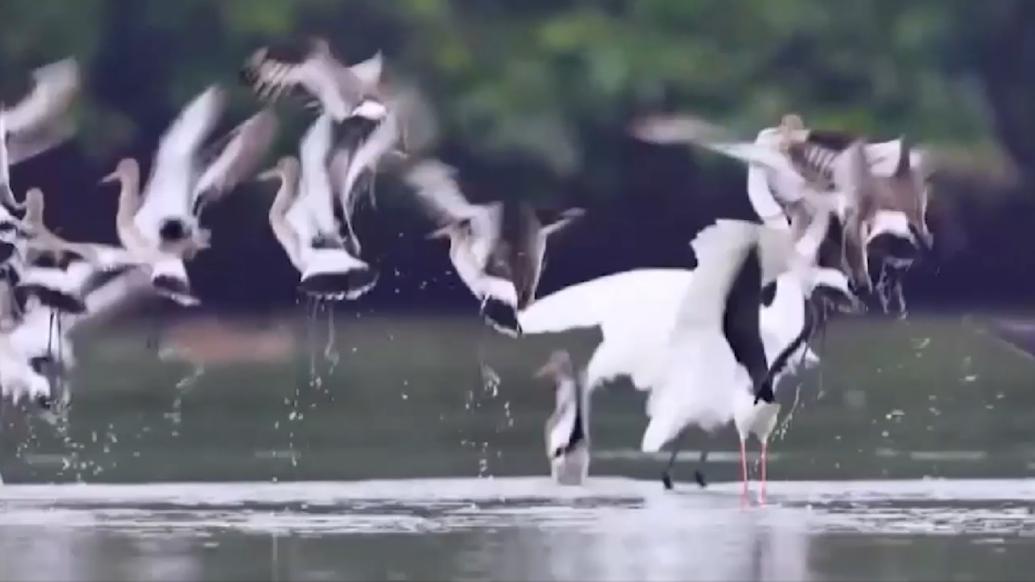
(330, 350)
(182, 387)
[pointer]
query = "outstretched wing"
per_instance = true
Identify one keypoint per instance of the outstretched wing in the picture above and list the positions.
(39, 121)
(338, 89)
(436, 189)
(234, 159)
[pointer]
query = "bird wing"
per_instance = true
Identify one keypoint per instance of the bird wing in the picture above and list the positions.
(883, 157)
(678, 129)
(720, 250)
(348, 165)
(235, 159)
(6, 194)
(612, 301)
(367, 73)
(38, 122)
(169, 189)
(316, 193)
(337, 88)
(436, 189)
(105, 300)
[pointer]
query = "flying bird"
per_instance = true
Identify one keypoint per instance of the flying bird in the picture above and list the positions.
(340, 91)
(162, 227)
(497, 248)
(38, 122)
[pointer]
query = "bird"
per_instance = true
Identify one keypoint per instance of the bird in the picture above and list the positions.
(567, 429)
(497, 248)
(340, 91)
(355, 161)
(164, 229)
(38, 343)
(38, 122)
(303, 220)
(54, 267)
(874, 188)
(167, 271)
(694, 339)
(186, 176)
(18, 379)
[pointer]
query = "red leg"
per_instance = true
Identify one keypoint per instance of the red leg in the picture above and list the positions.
(761, 491)
(743, 474)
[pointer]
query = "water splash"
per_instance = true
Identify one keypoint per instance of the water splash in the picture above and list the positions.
(182, 388)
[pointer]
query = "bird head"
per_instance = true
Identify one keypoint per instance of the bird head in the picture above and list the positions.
(285, 170)
(127, 168)
(557, 366)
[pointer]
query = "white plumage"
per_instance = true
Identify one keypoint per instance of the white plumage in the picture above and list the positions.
(302, 218)
(500, 268)
(39, 121)
(663, 328)
(182, 182)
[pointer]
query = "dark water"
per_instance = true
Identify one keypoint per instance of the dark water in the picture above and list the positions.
(410, 460)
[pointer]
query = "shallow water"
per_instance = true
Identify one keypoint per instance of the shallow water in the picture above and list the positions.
(417, 454)
(518, 528)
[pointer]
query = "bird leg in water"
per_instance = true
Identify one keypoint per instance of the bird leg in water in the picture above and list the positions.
(666, 475)
(743, 474)
(761, 490)
(699, 471)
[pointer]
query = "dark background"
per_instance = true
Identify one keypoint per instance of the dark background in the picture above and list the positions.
(532, 100)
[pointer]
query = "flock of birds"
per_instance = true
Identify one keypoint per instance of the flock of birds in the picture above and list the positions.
(839, 217)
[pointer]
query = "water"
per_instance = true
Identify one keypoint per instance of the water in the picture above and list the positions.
(409, 464)
(517, 528)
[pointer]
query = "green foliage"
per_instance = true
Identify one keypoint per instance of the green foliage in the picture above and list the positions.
(541, 80)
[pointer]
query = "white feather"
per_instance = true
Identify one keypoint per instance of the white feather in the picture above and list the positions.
(54, 85)
(170, 188)
(316, 193)
(383, 138)
(662, 328)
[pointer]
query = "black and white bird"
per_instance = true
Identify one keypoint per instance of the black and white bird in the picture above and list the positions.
(37, 341)
(695, 339)
(876, 189)
(55, 269)
(185, 178)
(497, 248)
(340, 91)
(38, 122)
(304, 221)
(567, 429)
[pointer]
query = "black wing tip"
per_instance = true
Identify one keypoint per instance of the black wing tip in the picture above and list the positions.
(338, 286)
(501, 316)
(765, 393)
(53, 298)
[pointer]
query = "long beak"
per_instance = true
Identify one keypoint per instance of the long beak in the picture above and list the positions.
(268, 175)
(440, 233)
(112, 178)
(546, 371)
